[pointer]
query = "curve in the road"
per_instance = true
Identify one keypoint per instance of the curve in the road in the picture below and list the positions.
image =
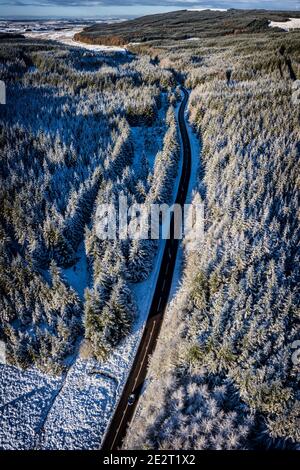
(124, 411)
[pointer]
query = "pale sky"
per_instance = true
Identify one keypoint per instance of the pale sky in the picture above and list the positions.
(125, 8)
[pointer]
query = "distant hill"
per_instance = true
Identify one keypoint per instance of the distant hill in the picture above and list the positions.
(182, 24)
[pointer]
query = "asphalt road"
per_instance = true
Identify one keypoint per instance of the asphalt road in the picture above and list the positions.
(124, 411)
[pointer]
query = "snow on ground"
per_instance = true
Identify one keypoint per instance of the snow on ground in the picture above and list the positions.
(73, 411)
(292, 23)
(150, 139)
(77, 275)
(60, 31)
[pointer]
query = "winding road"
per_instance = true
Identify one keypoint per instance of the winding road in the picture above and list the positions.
(124, 411)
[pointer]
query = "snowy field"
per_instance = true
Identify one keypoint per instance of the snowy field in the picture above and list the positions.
(196, 149)
(60, 31)
(292, 23)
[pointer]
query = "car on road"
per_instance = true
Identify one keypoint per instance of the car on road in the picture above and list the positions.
(131, 399)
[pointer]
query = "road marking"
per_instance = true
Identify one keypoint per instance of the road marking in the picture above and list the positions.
(154, 322)
(159, 303)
